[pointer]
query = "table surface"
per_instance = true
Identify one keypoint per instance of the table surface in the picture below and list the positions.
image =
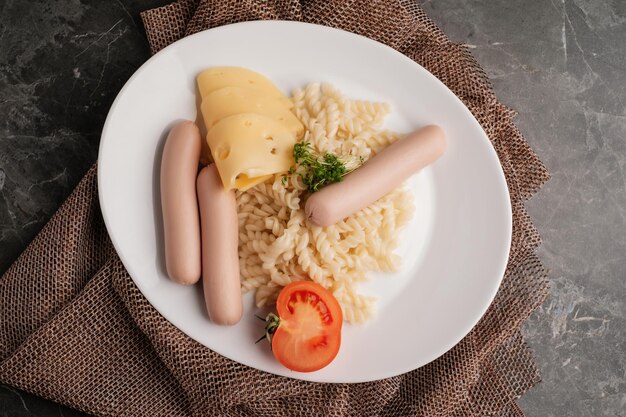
(560, 63)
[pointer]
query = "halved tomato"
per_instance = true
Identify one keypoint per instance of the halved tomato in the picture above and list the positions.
(306, 334)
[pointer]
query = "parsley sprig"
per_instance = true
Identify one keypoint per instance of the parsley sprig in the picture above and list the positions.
(318, 170)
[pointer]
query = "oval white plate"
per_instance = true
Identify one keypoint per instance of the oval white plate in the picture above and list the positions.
(454, 251)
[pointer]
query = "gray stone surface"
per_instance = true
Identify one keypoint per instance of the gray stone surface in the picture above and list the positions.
(560, 63)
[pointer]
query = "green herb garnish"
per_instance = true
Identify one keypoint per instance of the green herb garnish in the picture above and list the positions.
(318, 170)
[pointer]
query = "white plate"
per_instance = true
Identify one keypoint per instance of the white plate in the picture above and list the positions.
(454, 252)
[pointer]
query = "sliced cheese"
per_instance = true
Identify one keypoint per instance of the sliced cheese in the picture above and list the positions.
(229, 101)
(219, 77)
(248, 148)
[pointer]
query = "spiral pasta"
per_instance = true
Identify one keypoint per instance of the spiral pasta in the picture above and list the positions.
(278, 245)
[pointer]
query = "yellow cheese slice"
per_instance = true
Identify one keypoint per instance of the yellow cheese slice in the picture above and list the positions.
(248, 148)
(219, 77)
(229, 101)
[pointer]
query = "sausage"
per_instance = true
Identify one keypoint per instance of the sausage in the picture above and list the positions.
(376, 177)
(181, 223)
(220, 256)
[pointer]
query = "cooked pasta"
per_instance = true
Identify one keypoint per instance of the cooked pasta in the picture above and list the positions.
(278, 245)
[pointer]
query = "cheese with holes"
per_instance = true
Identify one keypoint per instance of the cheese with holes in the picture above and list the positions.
(248, 148)
(215, 78)
(229, 101)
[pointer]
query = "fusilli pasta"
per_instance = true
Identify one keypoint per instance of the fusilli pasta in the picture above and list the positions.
(278, 245)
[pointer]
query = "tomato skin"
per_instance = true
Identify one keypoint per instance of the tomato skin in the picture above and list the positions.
(308, 336)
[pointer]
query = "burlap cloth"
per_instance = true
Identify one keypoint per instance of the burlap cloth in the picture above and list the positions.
(75, 329)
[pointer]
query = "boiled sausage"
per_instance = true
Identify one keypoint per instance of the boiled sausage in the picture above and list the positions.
(220, 257)
(378, 176)
(181, 224)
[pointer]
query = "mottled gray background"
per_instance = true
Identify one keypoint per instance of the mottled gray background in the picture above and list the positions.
(561, 64)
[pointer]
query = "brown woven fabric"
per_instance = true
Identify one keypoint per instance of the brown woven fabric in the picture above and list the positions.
(75, 329)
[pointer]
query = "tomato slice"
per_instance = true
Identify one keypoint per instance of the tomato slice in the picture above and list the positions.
(308, 335)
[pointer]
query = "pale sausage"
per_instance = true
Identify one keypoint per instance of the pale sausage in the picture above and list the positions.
(220, 257)
(376, 177)
(181, 224)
